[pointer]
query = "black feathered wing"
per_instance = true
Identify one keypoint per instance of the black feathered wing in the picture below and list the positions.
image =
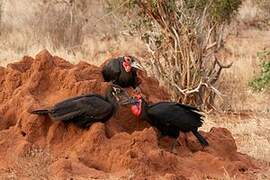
(111, 71)
(136, 81)
(170, 118)
(182, 116)
(40, 111)
(90, 107)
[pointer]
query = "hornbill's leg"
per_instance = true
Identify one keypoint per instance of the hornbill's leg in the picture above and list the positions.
(137, 124)
(173, 146)
(182, 139)
(186, 141)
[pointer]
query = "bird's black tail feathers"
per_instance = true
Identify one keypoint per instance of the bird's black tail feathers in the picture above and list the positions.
(201, 139)
(40, 111)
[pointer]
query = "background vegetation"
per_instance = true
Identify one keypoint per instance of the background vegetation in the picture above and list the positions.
(73, 29)
(262, 82)
(96, 30)
(181, 39)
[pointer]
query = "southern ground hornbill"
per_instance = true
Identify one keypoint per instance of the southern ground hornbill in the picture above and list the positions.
(87, 109)
(169, 117)
(122, 71)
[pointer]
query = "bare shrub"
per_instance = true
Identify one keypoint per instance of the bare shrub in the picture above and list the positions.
(263, 81)
(183, 38)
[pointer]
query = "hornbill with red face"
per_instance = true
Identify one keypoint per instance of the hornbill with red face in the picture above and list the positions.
(169, 117)
(87, 109)
(122, 71)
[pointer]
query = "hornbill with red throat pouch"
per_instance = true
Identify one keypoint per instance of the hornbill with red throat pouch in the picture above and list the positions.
(122, 71)
(169, 117)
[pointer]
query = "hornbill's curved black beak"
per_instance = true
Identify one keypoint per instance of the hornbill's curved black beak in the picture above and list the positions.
(120, 94)
(130, 100)
(136, 64)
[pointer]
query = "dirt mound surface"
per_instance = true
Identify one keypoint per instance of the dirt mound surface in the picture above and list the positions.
(35, 147)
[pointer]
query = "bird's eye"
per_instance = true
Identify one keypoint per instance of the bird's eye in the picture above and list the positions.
(117, 90)
(128, 59)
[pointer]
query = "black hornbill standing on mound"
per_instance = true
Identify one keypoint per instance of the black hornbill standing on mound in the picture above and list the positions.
(169, 117)
(87, 109)
(122, 71)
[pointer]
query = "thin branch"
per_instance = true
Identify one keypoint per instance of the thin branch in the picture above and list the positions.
(186, 91)
(211, 46)
(110, 13)
(224, 66)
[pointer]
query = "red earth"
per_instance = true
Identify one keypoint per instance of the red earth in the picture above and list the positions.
(34, 146)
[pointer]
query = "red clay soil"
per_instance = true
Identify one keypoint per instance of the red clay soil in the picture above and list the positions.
(35, 147)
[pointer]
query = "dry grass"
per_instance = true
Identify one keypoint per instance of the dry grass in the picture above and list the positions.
(248, 11)
(255, 13)
(243, 52)
(94, 51)
(26, 28)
